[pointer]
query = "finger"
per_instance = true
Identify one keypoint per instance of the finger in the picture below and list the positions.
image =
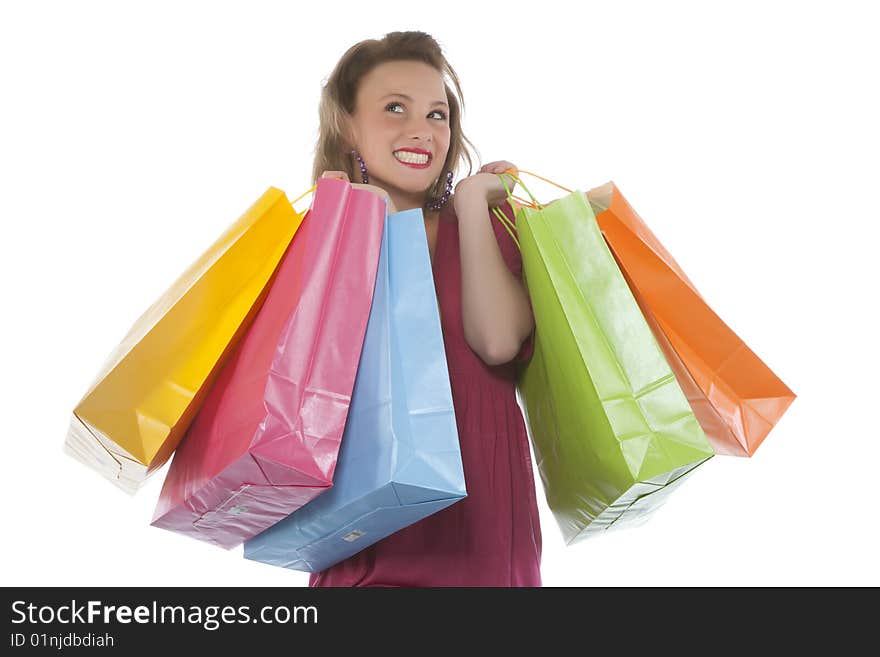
(501, 166)
(339, 175)
(492, 167)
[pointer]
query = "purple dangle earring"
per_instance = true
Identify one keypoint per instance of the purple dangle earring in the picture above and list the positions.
(437, 204)
(363, 166)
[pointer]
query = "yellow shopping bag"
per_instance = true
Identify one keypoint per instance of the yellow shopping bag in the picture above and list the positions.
(147, 393)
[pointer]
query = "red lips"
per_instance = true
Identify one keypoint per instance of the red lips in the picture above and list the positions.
(418, 151)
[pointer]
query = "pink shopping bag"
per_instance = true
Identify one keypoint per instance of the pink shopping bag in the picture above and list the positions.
(266, 440)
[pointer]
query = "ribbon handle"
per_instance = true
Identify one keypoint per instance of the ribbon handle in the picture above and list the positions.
(534, 204)
(301, 196)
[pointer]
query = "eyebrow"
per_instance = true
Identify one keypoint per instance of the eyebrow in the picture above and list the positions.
(405, 97)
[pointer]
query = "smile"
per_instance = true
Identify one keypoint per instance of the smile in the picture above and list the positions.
(415, 160)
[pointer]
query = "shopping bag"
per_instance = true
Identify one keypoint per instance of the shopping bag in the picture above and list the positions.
(146, 394)
(612, 431)
(713, 425)
(737, 398)
(400, 459)
(267, 437)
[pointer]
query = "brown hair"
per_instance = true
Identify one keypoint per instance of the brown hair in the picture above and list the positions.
(339, 93)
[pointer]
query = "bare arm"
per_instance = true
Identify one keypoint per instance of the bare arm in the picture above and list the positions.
(495, 306)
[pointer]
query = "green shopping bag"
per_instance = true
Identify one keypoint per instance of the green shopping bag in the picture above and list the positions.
(612, 431)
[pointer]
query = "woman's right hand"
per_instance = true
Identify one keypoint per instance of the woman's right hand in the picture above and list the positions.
(381, 193)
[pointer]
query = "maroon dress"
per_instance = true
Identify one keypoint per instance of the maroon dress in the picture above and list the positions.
(492, 537)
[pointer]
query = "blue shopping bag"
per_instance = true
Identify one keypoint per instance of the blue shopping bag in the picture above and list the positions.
(400, 459)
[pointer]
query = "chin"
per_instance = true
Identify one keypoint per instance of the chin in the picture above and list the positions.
(425, 185)
(410, 185)
(414, 188)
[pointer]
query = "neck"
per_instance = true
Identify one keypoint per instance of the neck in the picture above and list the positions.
(409, 202)
(402, 200)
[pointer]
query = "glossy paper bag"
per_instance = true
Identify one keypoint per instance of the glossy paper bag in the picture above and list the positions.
(736, 397)
(400, 459)
(612, 431)
(144, 398)
(267, 437)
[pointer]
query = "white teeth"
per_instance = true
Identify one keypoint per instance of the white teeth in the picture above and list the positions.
(411, 158)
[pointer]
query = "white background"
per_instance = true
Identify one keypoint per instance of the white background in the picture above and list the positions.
(745, 134)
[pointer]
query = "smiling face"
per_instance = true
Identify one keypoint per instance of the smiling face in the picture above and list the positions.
(400, 127)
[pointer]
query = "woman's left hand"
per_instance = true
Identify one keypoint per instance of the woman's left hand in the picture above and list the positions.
(485, 184)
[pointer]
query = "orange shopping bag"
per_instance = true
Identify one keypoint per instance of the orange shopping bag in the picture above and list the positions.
(735, 396)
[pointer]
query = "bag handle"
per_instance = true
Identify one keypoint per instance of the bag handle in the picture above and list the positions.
(534, 204)
(508, 225)
(301, 196)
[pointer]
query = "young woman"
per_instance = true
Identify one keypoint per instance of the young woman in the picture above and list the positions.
(390, 122)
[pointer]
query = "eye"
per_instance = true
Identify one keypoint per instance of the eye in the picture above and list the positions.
(397, 108)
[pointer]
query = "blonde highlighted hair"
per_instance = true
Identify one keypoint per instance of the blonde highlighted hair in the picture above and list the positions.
(339, 93)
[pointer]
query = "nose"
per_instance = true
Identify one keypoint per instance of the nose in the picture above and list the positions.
(420, 128)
